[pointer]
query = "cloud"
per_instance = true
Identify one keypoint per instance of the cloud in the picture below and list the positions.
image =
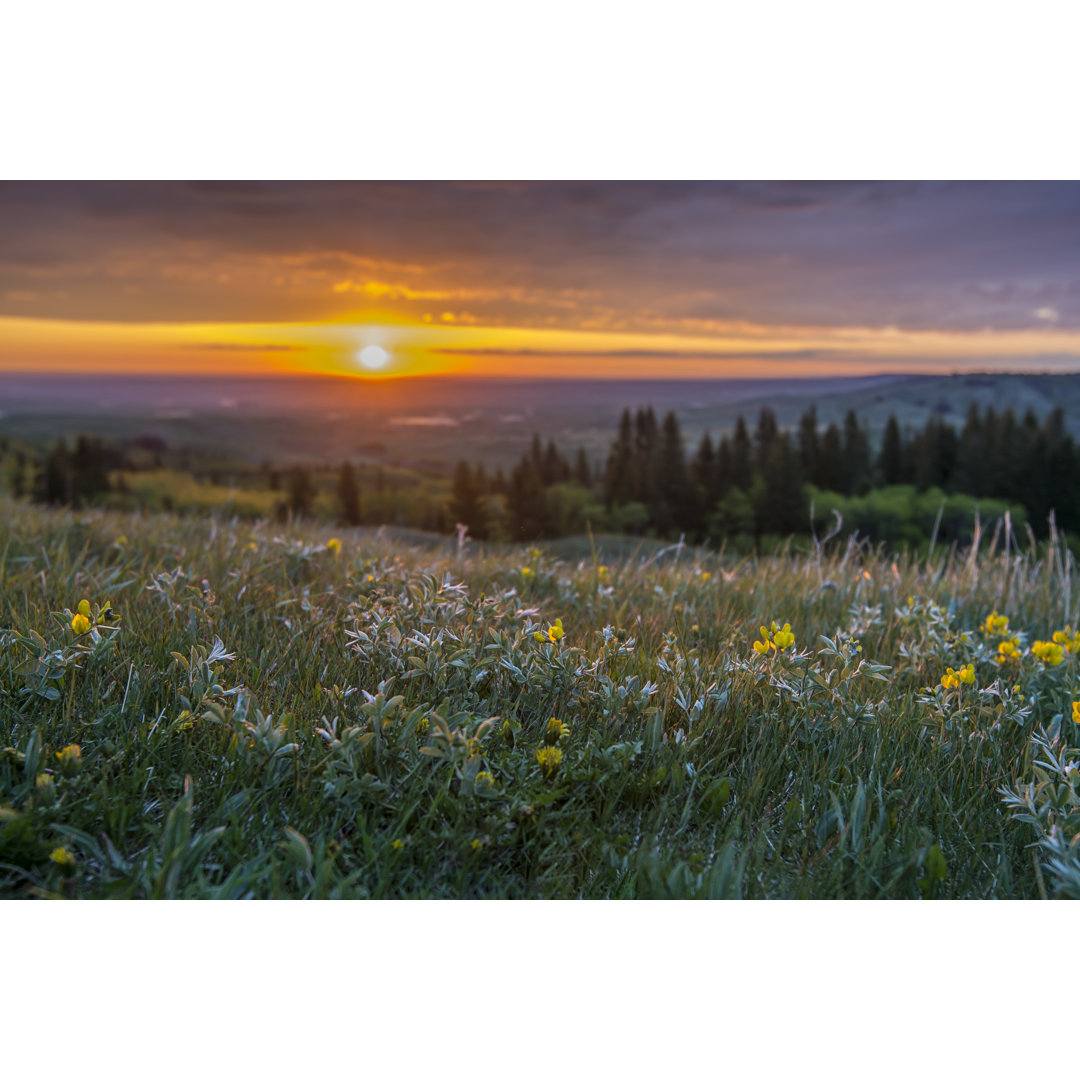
(1047, 314)
(237, 347)
(659, 354)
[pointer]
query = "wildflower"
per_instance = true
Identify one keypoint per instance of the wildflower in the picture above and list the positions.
(64, 859)
(774, 638)
(1050, 653)
(484, 781)
(601, 571)
(334, 545)
(705, 575)
(555, 731)
(996, 625)
(252, 546)
(477, 844)
(1076, 712)
(1069, 641)
(70, 759)
(398, 844)
(549, 758)
(953, 678)
(44, 789)
(84, 608)
(527, 571)
(507, 733)
(1008, 650)
(80, 623)
(422, 726)
(553, 633)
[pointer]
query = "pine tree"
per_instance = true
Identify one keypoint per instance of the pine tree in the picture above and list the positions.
(891, 458)
(348, 494)
(764, 436)
(808, 442)
(466, 503)
(582, 473)
(301, 492)
(618, 475)
(741, 457)
(856, 455)
(673, 504)
(830, 466)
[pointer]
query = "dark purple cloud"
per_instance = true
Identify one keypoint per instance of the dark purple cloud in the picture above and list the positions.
(934, 255)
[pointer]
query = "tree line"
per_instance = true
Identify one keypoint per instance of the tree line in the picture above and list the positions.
(761, 481)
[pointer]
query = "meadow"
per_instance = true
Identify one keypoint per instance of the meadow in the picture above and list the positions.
(222, 708)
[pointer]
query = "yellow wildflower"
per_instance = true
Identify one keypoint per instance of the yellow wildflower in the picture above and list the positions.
(953, 678)
(70, 759)
(1068, 640)
(783, 639)
(555, 731)
(484, 780)
(1009, 649)
(64, 859)
(398, 844)
(477, 844)
(996, 625)
(1048, 652)
(1076, 712)
(549, 758)
(527, 571)
(334, 545)
(80, 624)
(705, 575)
(601, 571)
(84, 608)
(553, 634)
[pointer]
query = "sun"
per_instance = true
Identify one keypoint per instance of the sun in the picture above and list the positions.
(374, 357)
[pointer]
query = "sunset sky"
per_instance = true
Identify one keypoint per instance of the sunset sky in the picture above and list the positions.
(524, 279)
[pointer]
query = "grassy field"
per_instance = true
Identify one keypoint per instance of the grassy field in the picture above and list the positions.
(250, 710)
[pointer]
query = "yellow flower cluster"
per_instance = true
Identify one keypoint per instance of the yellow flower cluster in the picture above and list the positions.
(1049, 652)
(84, 619)
(1008, 650)
(553, 633)
(954, 678)
(996, 625)
(64, 859)
(527, 571)
(555, 731)
(1067, 639)
(334, 545)
(774, 638)
(549, 758)
(70, 759)
(1076, 712)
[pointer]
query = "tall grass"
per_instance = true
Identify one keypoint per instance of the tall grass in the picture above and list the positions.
(259, 714)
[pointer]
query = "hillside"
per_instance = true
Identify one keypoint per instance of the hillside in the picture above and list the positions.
(247, 710)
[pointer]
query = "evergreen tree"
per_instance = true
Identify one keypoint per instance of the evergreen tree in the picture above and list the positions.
(830, 466)
(741, 457)
(618, 476)
(808, 442)
(673, 503)
(764, 437)
(781, 506)
(856, 455)
(348, 494)
(466, 502)
(891, 458)
(582, 472)
(301, 492)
